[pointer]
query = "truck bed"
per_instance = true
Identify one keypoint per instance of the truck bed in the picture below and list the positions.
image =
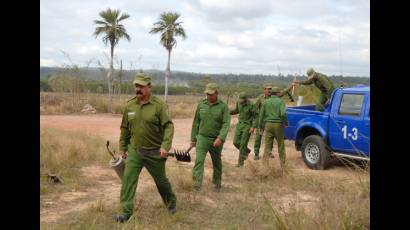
(305, 109)
(306, 113)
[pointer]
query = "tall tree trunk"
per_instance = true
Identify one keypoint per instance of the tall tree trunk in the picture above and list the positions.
(167, 75)
(120, 77)
(110, 78)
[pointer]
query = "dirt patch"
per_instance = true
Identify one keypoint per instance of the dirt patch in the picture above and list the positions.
(107, 189)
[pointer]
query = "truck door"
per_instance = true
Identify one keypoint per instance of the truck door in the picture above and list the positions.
(366, 129)
(348, 132)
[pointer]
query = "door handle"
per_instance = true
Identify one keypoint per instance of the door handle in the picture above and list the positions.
(340, 121)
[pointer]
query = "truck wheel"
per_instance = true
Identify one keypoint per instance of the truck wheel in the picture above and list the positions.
(314, 152)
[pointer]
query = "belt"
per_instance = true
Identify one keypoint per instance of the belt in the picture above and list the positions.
(150, 152)
(273, 122)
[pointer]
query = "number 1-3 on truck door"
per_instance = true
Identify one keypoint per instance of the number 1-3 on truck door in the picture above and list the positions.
(347, 129)
(353, 136)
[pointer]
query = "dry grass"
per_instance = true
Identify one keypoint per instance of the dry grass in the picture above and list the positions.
(59, 103)
(64, 153)
(180, 106)
(64, 103)
(257, 196)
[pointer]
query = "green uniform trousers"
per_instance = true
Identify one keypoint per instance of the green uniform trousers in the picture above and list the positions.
(203, 145)
(272, 131)
(323, 98)
(257, 144)
(241, 139)
(156, 168)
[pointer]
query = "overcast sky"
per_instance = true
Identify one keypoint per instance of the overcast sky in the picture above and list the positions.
(223, 36)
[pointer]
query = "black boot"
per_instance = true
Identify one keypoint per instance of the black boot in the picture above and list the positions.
(248, 151)
(217, 188)
(172, 209)
(121, 218)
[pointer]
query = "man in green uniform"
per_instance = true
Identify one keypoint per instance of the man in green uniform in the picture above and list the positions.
(323, 83)
(243, 129)
(258, 104)
(145, 139)
(209, 130)
(272, 120)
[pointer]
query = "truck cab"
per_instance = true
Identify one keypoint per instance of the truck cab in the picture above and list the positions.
(343, 129)
(349, 126)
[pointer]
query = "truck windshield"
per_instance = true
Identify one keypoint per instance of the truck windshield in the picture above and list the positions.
(351, 104)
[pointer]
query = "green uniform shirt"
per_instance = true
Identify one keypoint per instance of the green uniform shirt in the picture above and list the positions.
(147, 126)
(211, 120)
(284, 92)
(246, 112)
(258, 104)
(259, 101)
(322, 82)
(273, 110)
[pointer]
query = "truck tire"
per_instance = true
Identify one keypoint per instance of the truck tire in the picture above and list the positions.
(315, 153)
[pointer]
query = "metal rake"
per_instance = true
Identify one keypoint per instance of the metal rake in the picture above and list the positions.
(181, 155)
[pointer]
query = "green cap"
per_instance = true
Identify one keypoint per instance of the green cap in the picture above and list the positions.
(211, 88)
(275, 89)
(142, 79)
(267, 85)
(310, 71)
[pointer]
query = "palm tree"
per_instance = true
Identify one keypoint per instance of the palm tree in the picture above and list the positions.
(112, 31)
(169, 29)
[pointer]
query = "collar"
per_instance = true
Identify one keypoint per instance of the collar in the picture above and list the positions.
(216, 102)
(246, 103)
(146, 102)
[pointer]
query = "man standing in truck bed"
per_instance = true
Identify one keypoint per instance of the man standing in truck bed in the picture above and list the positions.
(323, 83)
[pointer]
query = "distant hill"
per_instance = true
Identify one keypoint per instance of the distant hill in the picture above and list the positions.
(180, 78)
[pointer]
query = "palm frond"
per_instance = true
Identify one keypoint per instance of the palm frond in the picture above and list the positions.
(111, 27)
(100, 22)
(179, 31)
(123, 16)
(99, 30)
(169, 29)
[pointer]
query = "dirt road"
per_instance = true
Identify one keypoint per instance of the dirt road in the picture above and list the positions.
(107, 126)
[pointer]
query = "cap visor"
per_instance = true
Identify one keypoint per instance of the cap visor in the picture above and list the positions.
(208, 91)
(139, 82)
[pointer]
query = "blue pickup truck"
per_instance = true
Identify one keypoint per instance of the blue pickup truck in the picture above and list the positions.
(342, 129)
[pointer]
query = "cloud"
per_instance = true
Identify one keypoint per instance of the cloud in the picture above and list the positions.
(227, 9)
(208, 51)
(222, 36)
(48, 62)
(244, 40)
(88, 50)
(147, 22)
